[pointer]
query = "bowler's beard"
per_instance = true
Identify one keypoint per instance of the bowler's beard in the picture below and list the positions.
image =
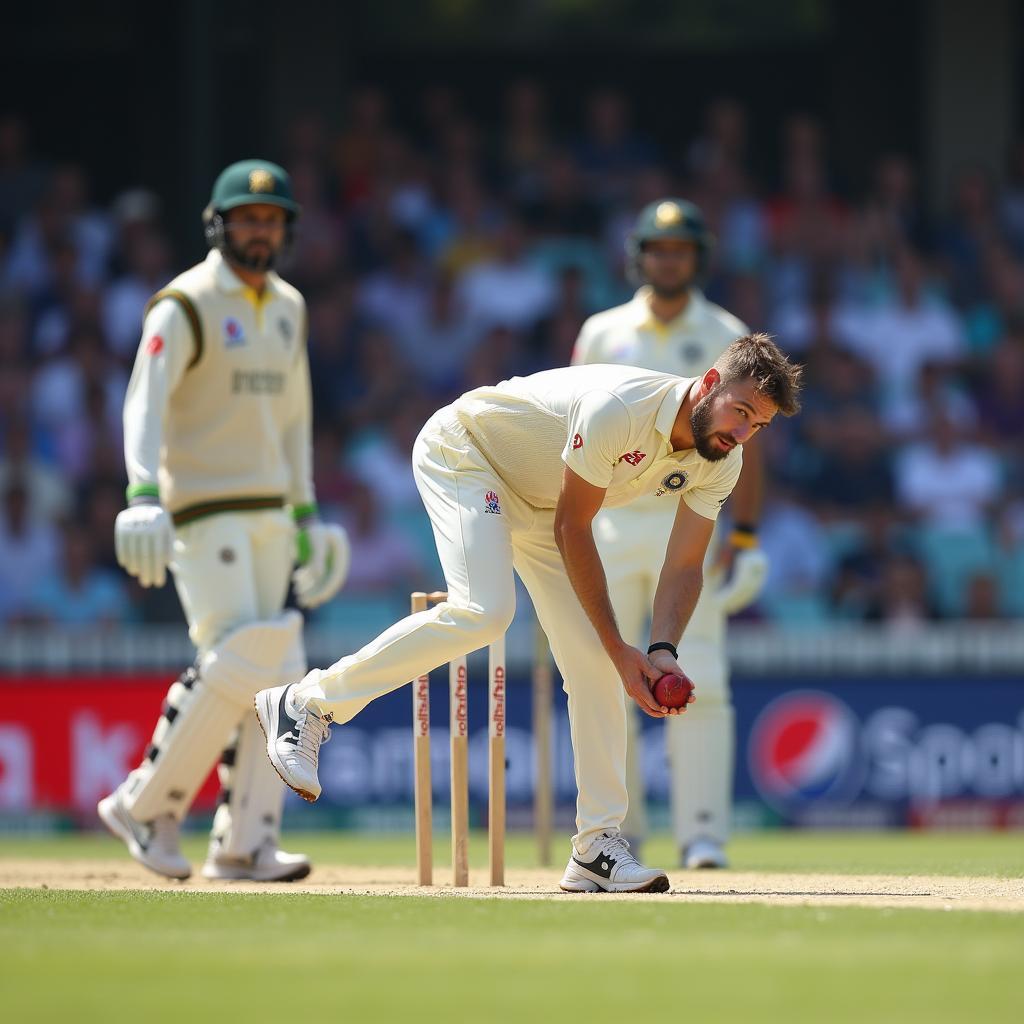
(703, 435)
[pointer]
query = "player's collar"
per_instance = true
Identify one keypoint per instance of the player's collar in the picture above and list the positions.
(646, 319)
(666, 418)
(227, 280)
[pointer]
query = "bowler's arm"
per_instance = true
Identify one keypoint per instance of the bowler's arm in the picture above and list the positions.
(682, 575)
(578, 503)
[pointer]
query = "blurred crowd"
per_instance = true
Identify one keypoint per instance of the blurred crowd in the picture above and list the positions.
(438, 251)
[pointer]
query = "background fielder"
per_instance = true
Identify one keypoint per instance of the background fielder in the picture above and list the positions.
(217, 446)
(670, 326)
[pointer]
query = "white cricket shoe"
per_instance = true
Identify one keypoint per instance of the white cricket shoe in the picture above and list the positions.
(268, 864)
(154, 844)
(293, 742)
(608, 866)
(704, 853)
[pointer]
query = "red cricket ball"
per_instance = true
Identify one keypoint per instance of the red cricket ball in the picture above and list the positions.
(672, 690)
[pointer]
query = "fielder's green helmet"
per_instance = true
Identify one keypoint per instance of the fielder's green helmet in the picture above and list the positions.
(670, 218)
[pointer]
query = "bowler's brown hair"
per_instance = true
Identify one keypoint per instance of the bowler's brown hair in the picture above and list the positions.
(756, 357)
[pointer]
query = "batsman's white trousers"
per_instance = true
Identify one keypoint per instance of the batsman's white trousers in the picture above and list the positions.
(230, 569)
(700, 744)
(483, 532)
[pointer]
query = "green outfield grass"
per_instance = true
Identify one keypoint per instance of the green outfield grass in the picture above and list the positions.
(197, 957)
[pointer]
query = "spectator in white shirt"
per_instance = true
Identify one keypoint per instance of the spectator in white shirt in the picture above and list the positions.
(947, 482)
(507, 291)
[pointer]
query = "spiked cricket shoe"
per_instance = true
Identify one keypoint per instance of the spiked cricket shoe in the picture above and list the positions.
(154, 844)
(293, 740)
(704, 853)
(268, 864)
(608, 866)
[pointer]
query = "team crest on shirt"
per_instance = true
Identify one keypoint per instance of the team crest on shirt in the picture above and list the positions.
(287, 331)
(675, 481)
(234, 333)
(492, 504)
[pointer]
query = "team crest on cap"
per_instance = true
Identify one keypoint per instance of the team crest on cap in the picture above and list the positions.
(667, 215)
(261, 180)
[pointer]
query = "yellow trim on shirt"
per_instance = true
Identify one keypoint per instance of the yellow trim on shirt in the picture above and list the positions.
(257, 300)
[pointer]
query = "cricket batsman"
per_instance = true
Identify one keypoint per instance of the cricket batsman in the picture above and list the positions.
(217, 436)
(512, 477)
(670, 326)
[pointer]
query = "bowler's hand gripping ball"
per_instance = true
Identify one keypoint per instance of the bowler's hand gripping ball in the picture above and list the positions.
(672, 690)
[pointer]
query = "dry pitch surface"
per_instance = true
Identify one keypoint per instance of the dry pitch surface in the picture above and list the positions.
(919, 892)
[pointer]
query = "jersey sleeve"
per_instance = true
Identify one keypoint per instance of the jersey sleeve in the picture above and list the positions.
(597, 434)
(160, 363)
(298, 435)
(710, 495)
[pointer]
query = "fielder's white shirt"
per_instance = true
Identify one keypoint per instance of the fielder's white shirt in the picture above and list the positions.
(632, 335)
(610, 425)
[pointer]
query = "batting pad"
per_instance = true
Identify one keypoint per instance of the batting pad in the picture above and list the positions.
(701, 749)
(248, 659)
(249, 811)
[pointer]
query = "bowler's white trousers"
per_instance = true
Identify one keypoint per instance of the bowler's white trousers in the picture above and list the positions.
(480, 542)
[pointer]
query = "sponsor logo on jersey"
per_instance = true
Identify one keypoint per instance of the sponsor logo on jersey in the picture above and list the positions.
(234, 333)
(257, 382)
(155, 345)
(492, 504)
(675, 481)
(577, 442)
(633, 458)
(805, 746)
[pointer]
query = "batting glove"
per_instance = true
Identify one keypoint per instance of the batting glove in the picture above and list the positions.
(324, 559)
(143, 541)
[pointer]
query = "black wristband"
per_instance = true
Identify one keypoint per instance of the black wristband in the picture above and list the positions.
(664, 645)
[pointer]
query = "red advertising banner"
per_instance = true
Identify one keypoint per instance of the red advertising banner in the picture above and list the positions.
(65, 742)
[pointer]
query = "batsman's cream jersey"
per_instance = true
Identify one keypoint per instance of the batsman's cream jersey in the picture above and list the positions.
(688, 346)
(610, 425)
(217, 413)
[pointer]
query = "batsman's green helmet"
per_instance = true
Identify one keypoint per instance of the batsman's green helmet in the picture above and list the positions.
(669, 218)
(244, 182)
(253, 181)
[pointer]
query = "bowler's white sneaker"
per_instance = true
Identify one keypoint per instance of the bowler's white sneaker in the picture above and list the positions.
(704, 853)
(154, 844)
(608, 866)
(268, 864)
(293, 741)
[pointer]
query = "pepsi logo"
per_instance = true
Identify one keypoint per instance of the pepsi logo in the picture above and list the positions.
(805, 746)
